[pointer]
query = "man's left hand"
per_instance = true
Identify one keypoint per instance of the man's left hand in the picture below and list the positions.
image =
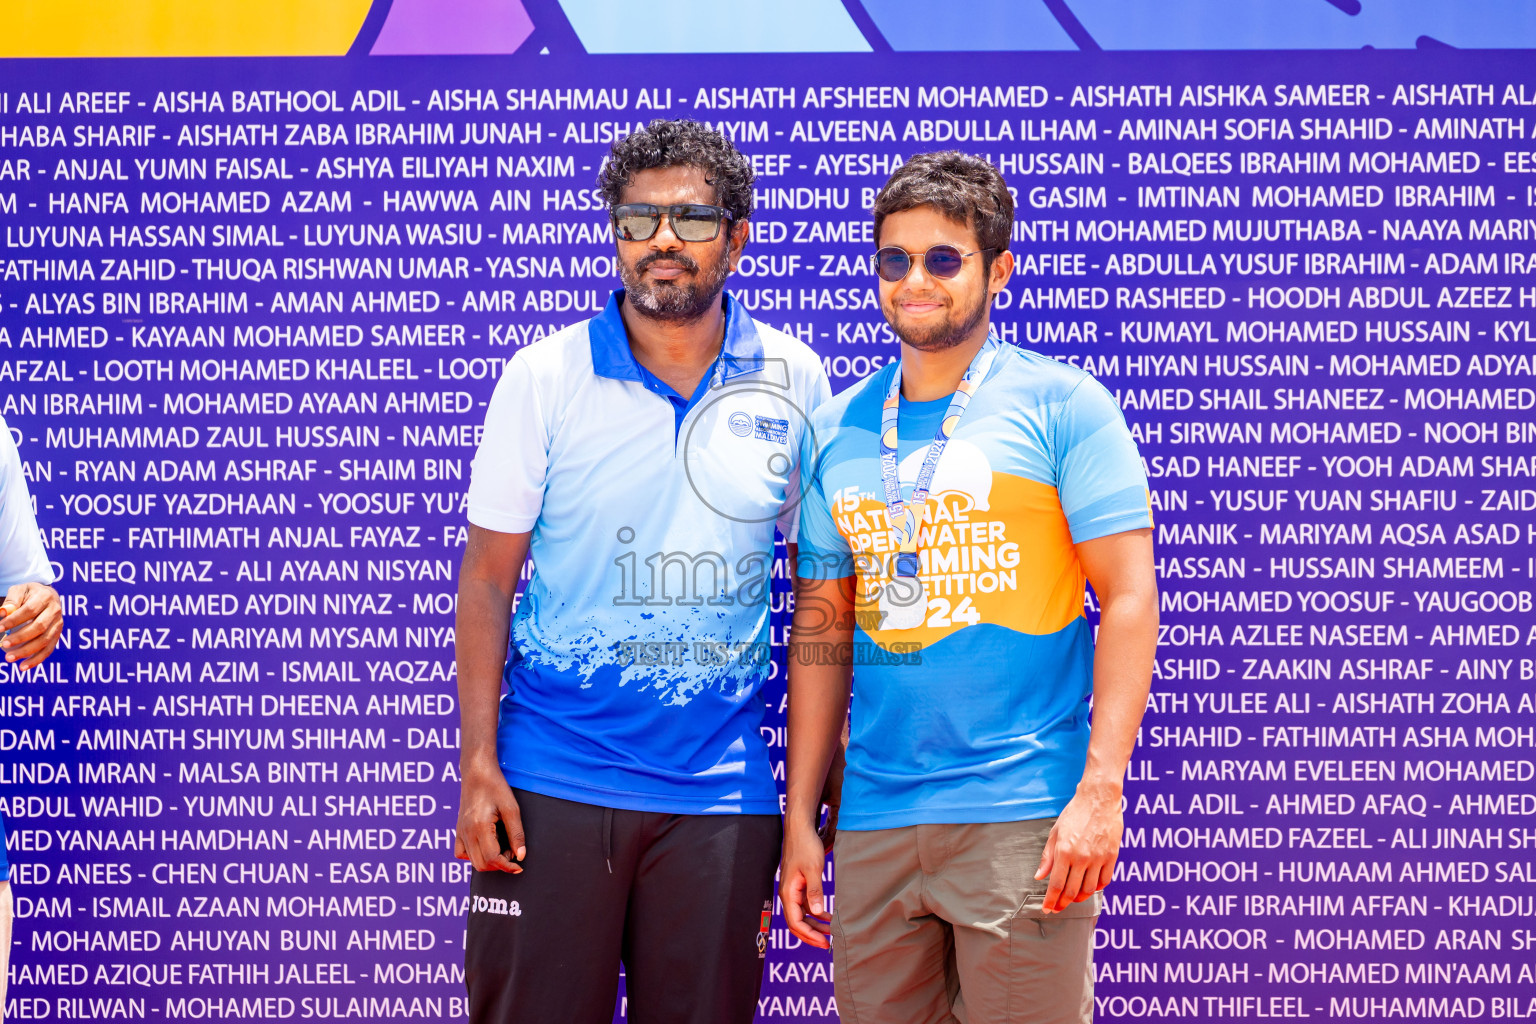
(1080, 854)
(32, 619)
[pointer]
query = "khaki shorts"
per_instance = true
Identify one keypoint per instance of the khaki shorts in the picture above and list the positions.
(937, 924)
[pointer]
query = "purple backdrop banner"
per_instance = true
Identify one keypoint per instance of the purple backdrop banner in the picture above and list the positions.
(250, 315)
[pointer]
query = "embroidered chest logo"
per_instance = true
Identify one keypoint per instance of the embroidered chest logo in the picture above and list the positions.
(769, 429)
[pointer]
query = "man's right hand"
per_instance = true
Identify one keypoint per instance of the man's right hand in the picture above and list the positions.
(484, 799)
(805, 905)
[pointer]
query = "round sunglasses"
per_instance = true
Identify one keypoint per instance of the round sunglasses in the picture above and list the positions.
(691, 222)
(894, 263)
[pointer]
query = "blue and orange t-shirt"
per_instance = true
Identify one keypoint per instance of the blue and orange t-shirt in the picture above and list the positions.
(980, 713)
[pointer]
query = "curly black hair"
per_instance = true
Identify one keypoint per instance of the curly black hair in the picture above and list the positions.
(681, 143)
(964, 188)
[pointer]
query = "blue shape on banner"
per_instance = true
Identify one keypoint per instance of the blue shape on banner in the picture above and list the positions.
(1304, 24)
(969, 25)
(705, 26)
(1485, 25)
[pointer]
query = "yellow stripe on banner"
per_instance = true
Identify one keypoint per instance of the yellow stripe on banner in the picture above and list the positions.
(179, 28)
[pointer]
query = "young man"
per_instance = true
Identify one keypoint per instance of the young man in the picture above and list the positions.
(621, 806)
(956, 506)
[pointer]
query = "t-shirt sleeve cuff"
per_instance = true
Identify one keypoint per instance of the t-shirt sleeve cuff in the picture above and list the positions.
(1104, 526)
(500, 521)
(818, 565)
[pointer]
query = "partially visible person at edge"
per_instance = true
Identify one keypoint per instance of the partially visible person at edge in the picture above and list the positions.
(620, 807)
(958, 503)
(31, 620)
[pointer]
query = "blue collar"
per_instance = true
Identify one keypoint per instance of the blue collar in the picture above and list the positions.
(741, 353)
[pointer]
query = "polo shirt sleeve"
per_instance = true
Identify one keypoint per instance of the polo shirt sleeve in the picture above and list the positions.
(1100, 477)
(824, 552)
(22, 558)
(506, 480)
(816, 392)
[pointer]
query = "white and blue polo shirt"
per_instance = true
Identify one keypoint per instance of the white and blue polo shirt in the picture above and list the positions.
(641, 642)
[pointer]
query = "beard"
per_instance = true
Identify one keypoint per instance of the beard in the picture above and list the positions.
(936, 336)
(674, 301)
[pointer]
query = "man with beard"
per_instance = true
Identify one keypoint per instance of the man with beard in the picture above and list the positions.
(957, 504)
(621, 806)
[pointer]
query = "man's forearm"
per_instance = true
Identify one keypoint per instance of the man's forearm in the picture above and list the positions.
(1080, 855)
(1122, 677)
(482, 628)
(487, 585)
(818, 704)
(820, 672)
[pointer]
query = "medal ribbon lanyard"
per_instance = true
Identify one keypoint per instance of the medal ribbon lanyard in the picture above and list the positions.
(903, 517)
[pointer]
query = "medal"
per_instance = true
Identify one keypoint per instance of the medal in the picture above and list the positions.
(903, 603)
(903, 597)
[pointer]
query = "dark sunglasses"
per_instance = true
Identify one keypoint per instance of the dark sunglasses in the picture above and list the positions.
(691, 222)
(893, 263)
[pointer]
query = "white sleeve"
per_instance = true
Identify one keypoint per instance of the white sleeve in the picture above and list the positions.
(22, 558)
(506, 480)
(816, 391)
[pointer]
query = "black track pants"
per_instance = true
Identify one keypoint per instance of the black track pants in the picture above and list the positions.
(679, 898)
